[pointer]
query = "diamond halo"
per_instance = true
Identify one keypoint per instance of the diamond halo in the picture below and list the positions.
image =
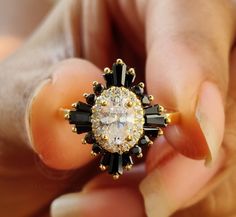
(120, 120)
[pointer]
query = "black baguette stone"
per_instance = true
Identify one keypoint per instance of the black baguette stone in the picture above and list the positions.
(90, 99)
(98, 89)
(138, 90)
(84, 107)
(145, 101)
(83, 128)
(136, 150)
(127, 159)
(78, 117)
(96, 148)
(119, 74)
(144, 141)
(152, 110)
(155, 120)
(89, 138)
(151, 132)
(115, 166)
(105, 159)
(129, 80)
(109, 79)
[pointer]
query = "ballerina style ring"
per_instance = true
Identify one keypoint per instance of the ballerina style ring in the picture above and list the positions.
(118, 119)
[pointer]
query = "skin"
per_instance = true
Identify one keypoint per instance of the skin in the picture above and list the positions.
(185, 47)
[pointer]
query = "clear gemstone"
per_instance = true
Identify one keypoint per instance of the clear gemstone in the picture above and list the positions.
(117, 120)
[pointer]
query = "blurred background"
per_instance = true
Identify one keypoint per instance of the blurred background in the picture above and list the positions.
(18, 18)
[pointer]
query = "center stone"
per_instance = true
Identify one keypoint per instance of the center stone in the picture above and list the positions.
(117, 119)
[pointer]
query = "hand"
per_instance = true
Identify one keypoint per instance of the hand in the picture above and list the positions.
(188, 44)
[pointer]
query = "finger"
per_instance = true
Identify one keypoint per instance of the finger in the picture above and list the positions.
(52, 136)
(96, 39)
(173, 180)
(126, 199)
(187, 69)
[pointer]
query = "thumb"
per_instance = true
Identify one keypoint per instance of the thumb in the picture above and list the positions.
(187, 69)
(195, 82)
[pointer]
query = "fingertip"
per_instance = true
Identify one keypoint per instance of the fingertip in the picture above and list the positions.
(51, 134)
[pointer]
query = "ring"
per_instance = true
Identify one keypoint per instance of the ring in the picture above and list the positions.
(119, 119)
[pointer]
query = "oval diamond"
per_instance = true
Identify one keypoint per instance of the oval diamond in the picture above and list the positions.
(117, 119)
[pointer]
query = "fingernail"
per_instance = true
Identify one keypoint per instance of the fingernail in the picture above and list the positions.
(168, 187)
(29, 113)
(66, 206)
(210, 116)
(115, 202)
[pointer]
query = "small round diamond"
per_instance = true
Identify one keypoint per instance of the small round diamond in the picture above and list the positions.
(117, 116)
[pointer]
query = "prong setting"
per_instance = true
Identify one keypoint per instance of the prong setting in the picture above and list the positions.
(129, 104)
(129, 138)
(104, 103)
(116, 176)
(141, 84)
(102, 167)
(107, 70)
(119, 61)
(131, 71)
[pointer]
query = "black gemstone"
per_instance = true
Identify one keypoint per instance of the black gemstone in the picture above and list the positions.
(81, 106)
(109, 79)
(145, 101)
(96, 148)
(138, 90)
(89, 138)
(144, 141)
(129, 80)
(105, 159)
(115, 164)
(77, 117)
(155, 120)
(90, 99)
(136, 150)
(119, 74)
(98, 89)
(83, 128)
(127, 159)
(151, 132)
(151, 110)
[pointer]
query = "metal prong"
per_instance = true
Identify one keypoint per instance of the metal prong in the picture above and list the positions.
(119, 61)
(83, 141)
(128, 167)
(161, 108)
(140, 155)
(104, 137)
(151, 97)
(160, 132)
(131, 71)
(95, 83)
(67, 116)
(167, 120)
(102, 167)
(103, 103)
(150, 142)
(85, 95)
(74, 129)
(141, 84)
(93, 153)
(129, 104)
(74, 105)
(116, 176)
(129, 138)
(107, 70)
